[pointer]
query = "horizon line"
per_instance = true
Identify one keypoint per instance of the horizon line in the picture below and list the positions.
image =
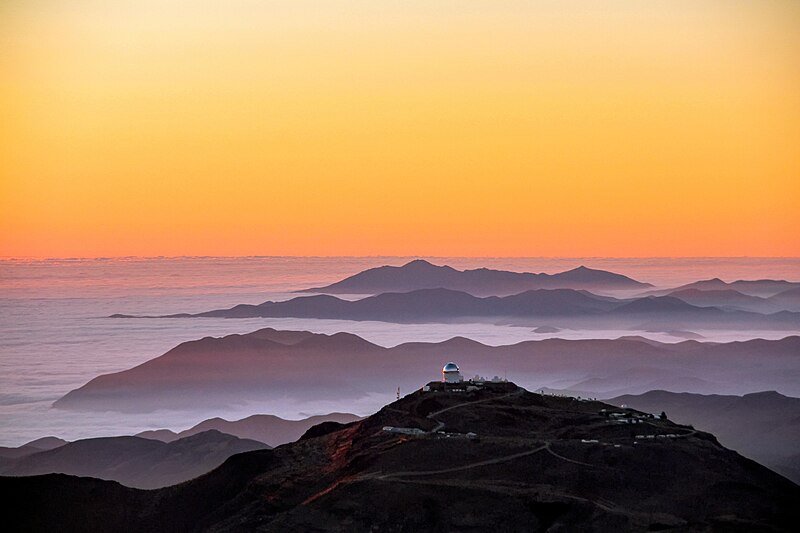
(12, 258)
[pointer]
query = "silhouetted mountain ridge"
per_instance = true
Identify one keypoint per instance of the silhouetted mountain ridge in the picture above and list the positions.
(420, 274)
(135, 461)
(29, 448)
(763, 288)
(236, 368)
(269, 429)
(560, 307)
(495, 459)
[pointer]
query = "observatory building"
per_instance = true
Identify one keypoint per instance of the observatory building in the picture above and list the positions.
(453, 381)
(451, 373)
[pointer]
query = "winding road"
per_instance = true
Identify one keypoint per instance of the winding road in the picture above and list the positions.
(440, 425)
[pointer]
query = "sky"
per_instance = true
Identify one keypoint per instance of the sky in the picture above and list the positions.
(362, 127)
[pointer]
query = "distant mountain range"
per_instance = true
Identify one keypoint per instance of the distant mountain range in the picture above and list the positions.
(560, 307)
(35, 446)
(420, 292)
(764, 426)
(495, 459)
(9, 455)
(427, 305)
(268, 429)
(730, 299)
(135, 461)
(420, 274)
(174, 457)
(269, 365)
(762, 288)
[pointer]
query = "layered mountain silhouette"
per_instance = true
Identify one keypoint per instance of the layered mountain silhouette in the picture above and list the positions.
(428, 305)
(420, 274)
(763, 288)
(269, 365)
(269, 429)
(764, 426)
(29, 448)
(787, 299)
(726, 299)
(560, 307)
(9, 455)
(499, 459)
(730, 299)
(135, 461)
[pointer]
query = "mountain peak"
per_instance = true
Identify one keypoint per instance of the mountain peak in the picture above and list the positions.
(422, 274)
(416, 263)
(764, 395)
(457, 460)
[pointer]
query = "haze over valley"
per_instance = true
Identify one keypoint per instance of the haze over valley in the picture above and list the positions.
(363, 266)
(315, 355)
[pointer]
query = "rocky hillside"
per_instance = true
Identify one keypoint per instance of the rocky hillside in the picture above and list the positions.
(502, 459)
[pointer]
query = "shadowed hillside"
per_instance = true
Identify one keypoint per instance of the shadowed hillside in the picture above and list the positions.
(134, 461)
(764, 426)
(29, 448)
(269, 429)
(502, 459)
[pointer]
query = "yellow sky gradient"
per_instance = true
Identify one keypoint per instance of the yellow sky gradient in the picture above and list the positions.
(563, 128)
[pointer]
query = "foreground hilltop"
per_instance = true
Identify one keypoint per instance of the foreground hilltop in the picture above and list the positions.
(497, 458)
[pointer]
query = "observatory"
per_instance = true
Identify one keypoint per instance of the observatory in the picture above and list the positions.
(453, 381)
(451, 373)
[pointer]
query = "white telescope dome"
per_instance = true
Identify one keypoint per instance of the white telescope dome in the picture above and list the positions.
(451, 373)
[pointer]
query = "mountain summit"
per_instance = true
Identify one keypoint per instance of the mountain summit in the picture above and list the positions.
(420, 274)
(495, 457)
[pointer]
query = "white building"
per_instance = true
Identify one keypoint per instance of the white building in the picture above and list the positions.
(451, 373)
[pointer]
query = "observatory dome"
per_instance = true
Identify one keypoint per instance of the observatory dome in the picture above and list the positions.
(451, 373)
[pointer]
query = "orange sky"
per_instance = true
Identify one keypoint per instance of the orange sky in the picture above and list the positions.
(563, 128)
